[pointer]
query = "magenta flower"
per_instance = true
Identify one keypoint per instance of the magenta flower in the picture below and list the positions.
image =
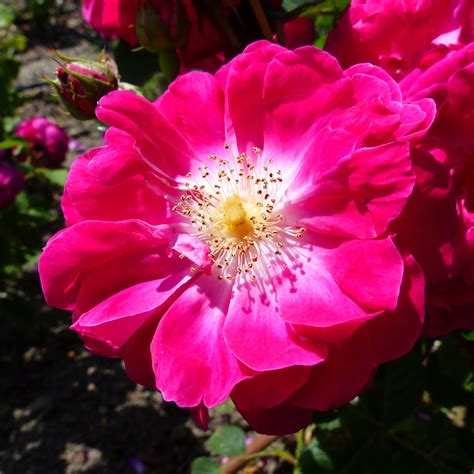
(11, 183)
(231, 239)
(396, 33)
(442, 207)
(48, 141)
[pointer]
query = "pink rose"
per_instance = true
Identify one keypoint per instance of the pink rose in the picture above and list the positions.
(231, 239)
(396, 33)
(48, 141)
(11, 183)
(113, 18)
(436, 226)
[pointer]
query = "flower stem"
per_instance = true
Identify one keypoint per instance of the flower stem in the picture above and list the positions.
(262, 19)
(255, 449)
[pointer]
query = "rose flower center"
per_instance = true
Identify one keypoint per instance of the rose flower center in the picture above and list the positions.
(232, 208)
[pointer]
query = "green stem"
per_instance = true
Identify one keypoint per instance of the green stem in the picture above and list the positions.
(272, 453)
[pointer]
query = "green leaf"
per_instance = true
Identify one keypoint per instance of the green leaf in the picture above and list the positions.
(205, 466)
(12, 142)
(314, 458)
(468, 335)
(54, 176)
(227, 441)
(330, 425)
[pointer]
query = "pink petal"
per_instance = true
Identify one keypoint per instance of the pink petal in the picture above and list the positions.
(269, 343)
(244, 93)
(349, 367)
(310, 285)
(136, 353)
(279, 420)
(269, 389)
(183, 105)
(200, 416)
(194, 249)
(368, 271)
(159, 143)
(93, 200)
(191, 360)
(113, 321)
(428, 226)
(74, 252)
(117, 160)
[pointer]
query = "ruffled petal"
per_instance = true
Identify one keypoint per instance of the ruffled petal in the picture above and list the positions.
(85, 198)
(183, 105)
(243, 88)
(349, 367)
(269, 389)
(159, 143)
(191, 360)
(278, 420)
(359, 196)
(74, 252)
(113, 321)
(256, 334)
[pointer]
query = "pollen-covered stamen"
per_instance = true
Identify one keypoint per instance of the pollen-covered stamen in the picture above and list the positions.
(233, 207)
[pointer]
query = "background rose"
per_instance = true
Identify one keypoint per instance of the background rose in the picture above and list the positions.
(48, 142)
(441, 207)
(339, 142)
(396, 34)
(11, 183)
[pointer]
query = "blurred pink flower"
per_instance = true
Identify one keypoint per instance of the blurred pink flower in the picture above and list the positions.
(396, 33)
(437, 226)
(231, 238)
(48, 141)
(11, 183)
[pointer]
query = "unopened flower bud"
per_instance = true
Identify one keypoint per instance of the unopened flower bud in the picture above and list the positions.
(81, 83)
(162, 25)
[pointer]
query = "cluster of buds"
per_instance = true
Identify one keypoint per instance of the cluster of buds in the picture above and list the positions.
(80, 83)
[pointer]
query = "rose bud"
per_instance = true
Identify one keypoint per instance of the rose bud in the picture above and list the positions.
(162, 25)
(81, 83)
